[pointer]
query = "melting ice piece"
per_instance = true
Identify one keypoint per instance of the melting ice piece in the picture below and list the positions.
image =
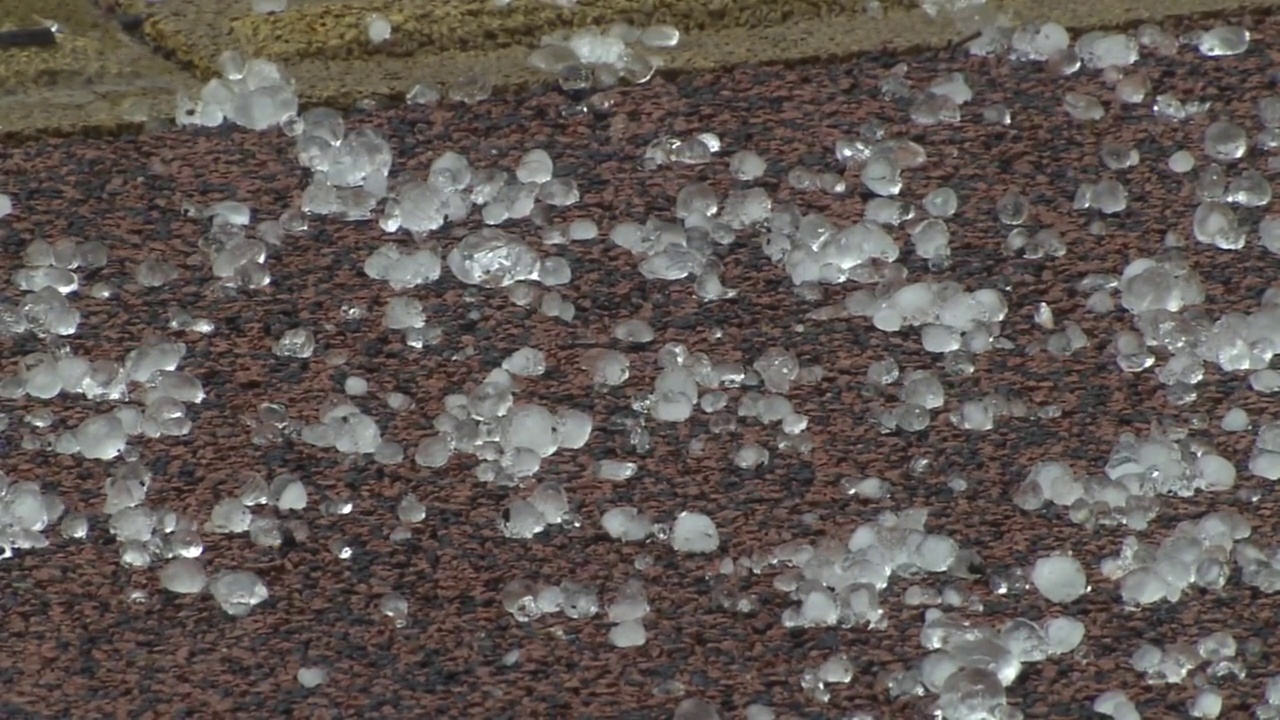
(694, 532)
(1060, 578)
(238, 591)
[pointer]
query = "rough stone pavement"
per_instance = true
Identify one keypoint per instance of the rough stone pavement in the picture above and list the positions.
(120, 63)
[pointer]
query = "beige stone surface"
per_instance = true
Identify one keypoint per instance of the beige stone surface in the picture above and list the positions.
(99, 78)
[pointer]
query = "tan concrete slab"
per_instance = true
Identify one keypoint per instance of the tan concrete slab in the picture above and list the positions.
(323, 45)
(334, 30)
(98, 77)
(95, 76)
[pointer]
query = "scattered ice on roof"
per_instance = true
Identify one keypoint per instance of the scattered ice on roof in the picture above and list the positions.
(500, 427)
(1223, 40)
(1116, 704)
(183, 575)
(1060, 578)
(238, 591)
(295, 343)
(378, 28)
(312, 676)
(627, 524)
(394, 607)
(694, 532)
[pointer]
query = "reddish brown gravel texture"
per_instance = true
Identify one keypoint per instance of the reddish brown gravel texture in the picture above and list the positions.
(73, 646)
